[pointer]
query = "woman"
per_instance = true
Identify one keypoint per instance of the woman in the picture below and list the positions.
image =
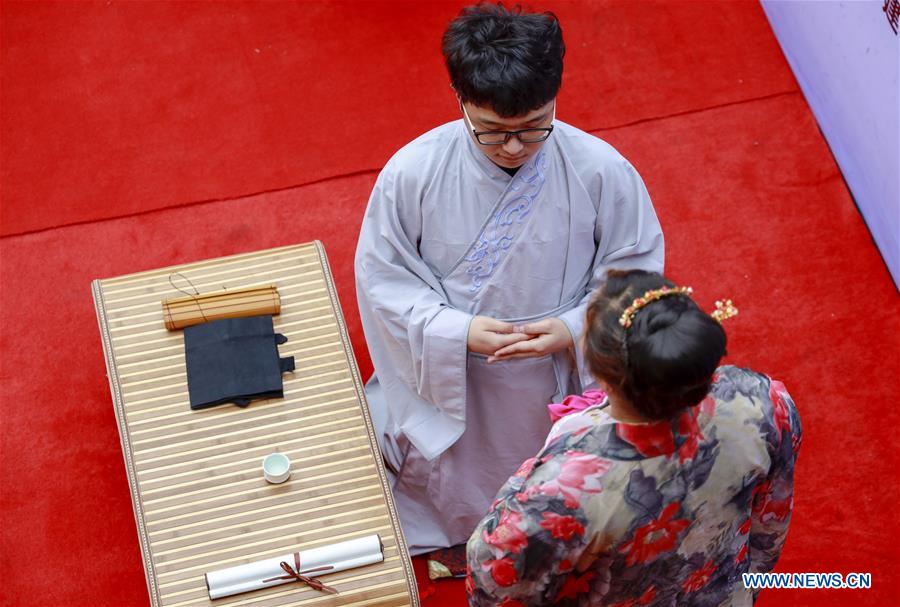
(662, 491)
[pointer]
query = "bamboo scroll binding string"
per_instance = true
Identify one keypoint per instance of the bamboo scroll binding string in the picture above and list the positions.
(197, 308)
(193, 295)
(293, 573)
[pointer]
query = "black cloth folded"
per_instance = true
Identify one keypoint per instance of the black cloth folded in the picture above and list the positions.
(234, 360)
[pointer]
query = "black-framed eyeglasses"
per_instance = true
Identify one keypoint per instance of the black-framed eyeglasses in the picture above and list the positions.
(501, 137)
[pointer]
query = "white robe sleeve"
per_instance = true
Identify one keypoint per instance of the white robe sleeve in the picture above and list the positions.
(628, 237)
(417, 341)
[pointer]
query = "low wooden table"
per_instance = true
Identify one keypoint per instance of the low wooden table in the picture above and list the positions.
(200, 500)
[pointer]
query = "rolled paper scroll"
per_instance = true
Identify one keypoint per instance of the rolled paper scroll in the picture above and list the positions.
(183, 312)
(313, 563)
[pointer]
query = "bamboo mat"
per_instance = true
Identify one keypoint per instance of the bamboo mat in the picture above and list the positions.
(200, 500)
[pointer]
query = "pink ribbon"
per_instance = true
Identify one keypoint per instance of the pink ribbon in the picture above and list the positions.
(575, 403)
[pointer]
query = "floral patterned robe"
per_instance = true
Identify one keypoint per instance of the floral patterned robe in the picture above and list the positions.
(627, 515)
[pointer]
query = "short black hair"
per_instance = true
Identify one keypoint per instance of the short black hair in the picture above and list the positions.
(503, 59)
(665, 361)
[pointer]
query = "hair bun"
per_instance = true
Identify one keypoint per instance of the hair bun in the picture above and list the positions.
(662, 314)
(662, 360)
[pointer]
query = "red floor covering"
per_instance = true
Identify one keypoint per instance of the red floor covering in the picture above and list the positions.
(115, 108)
(750, 199)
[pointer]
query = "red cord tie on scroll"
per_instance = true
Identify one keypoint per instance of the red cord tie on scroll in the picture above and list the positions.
(293, 573)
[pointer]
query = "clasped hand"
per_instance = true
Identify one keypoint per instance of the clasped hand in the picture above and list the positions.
(500, 340)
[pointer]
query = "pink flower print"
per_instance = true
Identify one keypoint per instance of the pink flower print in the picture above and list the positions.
(503, 571)
(689, 428)
(780, 415)
(760, 496)
(708, 406)
(574, 585)
(700, 578)
(776, 509)
(507, 537)
(580, 473)
(561, 527)
(654, 538)
(741, 555)
(526, 468)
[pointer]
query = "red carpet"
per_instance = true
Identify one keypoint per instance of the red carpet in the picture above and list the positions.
(117, 108)
(139, 111)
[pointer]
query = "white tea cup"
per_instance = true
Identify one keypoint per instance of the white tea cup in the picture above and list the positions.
(276, 467)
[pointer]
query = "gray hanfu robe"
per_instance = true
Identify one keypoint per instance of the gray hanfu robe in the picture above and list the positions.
(448, 235)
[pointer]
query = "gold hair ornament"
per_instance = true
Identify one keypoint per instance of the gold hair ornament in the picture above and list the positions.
(724, 309)
(643, 300)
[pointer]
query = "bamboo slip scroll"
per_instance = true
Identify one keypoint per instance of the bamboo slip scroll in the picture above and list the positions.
(200, 500)
(182, 312)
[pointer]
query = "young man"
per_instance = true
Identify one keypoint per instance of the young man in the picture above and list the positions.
(480, 248)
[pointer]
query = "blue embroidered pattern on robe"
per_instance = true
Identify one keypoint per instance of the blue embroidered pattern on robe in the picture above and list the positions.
(503, 228)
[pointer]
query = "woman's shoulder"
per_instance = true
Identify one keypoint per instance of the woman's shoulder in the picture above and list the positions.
(758, 395)
(729, 378)
(730, 381)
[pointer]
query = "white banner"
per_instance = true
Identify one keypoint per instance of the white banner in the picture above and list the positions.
(846, 58)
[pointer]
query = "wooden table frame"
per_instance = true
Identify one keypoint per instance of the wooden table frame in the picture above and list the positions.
(200, 500)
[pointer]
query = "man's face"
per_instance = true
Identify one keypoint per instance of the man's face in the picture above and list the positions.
(513, 153)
